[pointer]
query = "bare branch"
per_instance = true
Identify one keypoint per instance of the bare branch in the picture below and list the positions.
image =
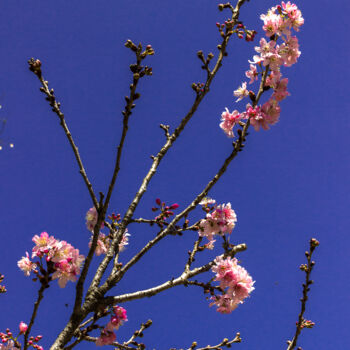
(34, 313)
(307, 268)
(138, 333)
(35, 67)
(137, 70)
(225, 343)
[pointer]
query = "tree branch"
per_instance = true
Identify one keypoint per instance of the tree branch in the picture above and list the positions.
(113, 250)
(35, 310)
(169, 284)
(307, 268)
(35, 67)
(136, 69)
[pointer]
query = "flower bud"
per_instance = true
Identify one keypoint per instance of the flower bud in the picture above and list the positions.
(23, 327)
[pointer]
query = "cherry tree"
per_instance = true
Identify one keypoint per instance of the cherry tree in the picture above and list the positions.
(98, 310)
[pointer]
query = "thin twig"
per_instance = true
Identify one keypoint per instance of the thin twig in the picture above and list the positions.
(225, 343)
(126, 113)
(193, 253)
(144, 221)
(138, 333)
(307, 268)
(35, 310)
(35, 67)
(115, 344)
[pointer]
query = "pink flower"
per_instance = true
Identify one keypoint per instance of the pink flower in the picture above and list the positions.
(91, 219)
(252, 74)
(23, 327)
(271, 111)
(257, 117)
(225, 304)
(117, 319)
(273, 79)
(265, 47)
(241, 92)
(228, 121)
(106, 338)
(235, 279)
(272, 23)
(103, 243)
(289, 51)
(294, 15)
(44, 244)
(222, 220)
(26, 265)
(281, 92)
(67, 263)
(269, 54)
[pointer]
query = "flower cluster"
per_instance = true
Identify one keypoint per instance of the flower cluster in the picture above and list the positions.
(108, 336)
(10, 342)
(219, 220)
(7, 341)
(62, 259)
(234, 280)
(165, 211)
(278, 23)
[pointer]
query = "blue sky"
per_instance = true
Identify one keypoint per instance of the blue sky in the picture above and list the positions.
(289, 184)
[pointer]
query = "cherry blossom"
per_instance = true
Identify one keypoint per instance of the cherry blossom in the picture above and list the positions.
(26, 265)
(234, 280)
(22, 327)
(118, 318)
(91, 219)
(62, 257)
(228, 121)
(220, 221)
(241, 92)
(252, 73)
(278, 22)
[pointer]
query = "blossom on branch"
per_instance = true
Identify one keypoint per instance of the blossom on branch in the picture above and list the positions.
(241, 92)
(26, 265)
(118, 318)
(108, 336)
(91, 219)
(234, 280)
(278, 23)
(228, 121)
(220, 221)
(63, 260)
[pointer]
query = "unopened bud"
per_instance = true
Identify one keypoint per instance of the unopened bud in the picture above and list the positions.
(23, 327)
